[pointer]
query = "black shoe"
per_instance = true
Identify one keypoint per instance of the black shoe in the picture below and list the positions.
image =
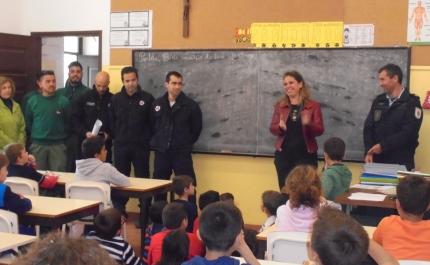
(137, 223)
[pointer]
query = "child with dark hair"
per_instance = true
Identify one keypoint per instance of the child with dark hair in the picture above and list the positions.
(175, 248)
(107, 225)
(24, 165)
(156, 216)
(336, 177)
(93, 168)
(407, 237)
(9, 200)
(271, 201)
(303, 186)
(226, 197)
(205, 199)
(221, 231)
(183, 186)
(339, 239)
(174, 217)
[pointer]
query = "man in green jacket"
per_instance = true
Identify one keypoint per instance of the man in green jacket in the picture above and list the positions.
(72, 91)
(46, 117)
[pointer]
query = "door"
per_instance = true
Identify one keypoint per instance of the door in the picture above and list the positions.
(20, 58)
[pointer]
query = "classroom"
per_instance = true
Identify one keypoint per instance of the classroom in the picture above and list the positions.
(211, 26)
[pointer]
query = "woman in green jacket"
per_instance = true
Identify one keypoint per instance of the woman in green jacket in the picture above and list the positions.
(12, 124)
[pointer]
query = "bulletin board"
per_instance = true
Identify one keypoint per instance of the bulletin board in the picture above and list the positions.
(212, 23)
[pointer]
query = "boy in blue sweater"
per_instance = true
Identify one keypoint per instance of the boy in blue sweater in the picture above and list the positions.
(9, 200)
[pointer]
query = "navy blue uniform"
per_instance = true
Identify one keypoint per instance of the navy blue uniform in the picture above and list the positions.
(176, 129)
(395, 128)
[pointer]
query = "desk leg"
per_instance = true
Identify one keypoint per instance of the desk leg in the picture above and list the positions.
(172, 196)
(348, 209)
(144, 212)
(262, 248)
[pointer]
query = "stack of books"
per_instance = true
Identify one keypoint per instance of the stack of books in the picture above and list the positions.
(402, 174)
(381, 174)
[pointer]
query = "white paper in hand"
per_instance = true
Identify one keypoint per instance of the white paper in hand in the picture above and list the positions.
(97, 127)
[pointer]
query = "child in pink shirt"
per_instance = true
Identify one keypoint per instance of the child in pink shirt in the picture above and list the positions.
(303, 186)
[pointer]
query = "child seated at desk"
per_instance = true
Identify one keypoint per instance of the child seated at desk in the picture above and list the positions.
(271, 201)
(184, 187)
(9, 200)
(336, 177)
(93, 168)
(338, 239)
(24, 165)
(156, 216)
(303, 186)
(221, 231)
(205, 199)
(107, 226)
(407, 237)
(174, 217)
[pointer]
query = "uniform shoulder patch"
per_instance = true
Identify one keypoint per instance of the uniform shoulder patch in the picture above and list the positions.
(418, 113)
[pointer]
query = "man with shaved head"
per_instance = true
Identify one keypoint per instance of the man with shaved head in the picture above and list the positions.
(91, 106)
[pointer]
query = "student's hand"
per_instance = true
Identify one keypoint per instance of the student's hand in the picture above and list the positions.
(368, 158)
(20, 195)
(308, 262)
(282, 124)
(244, 251)
(323, 200)
(31, 159)
(376, 149)
(90, 135)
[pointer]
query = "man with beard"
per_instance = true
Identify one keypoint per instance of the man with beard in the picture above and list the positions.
(391, 129)
(72, 91)
(46, 117)
(93, 105)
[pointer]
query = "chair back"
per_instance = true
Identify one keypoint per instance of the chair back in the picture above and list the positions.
(289, 247)
(89, 190)
(23, 186)
(413, 262)
(8, 222)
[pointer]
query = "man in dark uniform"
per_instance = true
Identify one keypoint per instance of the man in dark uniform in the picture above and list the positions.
(391, 129)
(93, 105)
(130, 126)
(177, 122)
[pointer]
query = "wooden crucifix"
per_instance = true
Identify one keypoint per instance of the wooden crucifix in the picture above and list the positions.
(186, 18)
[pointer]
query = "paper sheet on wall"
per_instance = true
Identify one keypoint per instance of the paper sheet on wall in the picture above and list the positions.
(418, 22)
(131, 29)
(358, 35)
(297, 35)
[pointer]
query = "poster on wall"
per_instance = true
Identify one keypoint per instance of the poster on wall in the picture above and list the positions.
(358, 35)
(418, 22)
(132, 29)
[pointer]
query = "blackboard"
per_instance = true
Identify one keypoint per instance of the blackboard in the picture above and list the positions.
(237, 90)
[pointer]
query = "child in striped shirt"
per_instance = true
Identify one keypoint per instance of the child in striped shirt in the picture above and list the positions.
(107, 225)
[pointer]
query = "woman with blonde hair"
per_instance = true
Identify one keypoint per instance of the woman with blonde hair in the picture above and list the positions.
(296, 121)
(303, 185)
(12, 124)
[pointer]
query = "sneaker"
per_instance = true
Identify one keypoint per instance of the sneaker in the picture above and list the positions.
(137, 223)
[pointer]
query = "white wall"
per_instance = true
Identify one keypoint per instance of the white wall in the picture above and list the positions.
(11, 17)
(61, 15)
(88, 62)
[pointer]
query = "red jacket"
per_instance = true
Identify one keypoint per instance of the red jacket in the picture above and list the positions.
(316, 128)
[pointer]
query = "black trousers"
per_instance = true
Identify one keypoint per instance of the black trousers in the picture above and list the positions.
(181, 163)
(125, 155)
(287, 160)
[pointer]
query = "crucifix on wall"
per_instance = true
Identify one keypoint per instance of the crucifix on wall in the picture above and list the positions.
(186, 18)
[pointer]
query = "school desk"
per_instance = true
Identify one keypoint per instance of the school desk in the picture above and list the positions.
(10, 241)
(265, 262)
(388, 202)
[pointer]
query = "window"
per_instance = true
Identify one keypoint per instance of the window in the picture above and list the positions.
(71, 44)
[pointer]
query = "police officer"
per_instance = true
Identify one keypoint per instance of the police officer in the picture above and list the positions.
(130, 126)
(93, 105)
(391, 129)
(177, 122)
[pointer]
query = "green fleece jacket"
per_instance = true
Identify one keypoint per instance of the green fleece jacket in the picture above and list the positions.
(46, 118)
(12, 125)
(336, 180)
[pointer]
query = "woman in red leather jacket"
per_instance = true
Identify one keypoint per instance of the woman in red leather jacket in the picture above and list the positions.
(296, 121)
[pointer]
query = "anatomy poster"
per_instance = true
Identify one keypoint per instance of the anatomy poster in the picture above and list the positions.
(419, 22)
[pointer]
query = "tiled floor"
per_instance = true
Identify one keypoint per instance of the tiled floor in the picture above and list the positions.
(133, 234)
